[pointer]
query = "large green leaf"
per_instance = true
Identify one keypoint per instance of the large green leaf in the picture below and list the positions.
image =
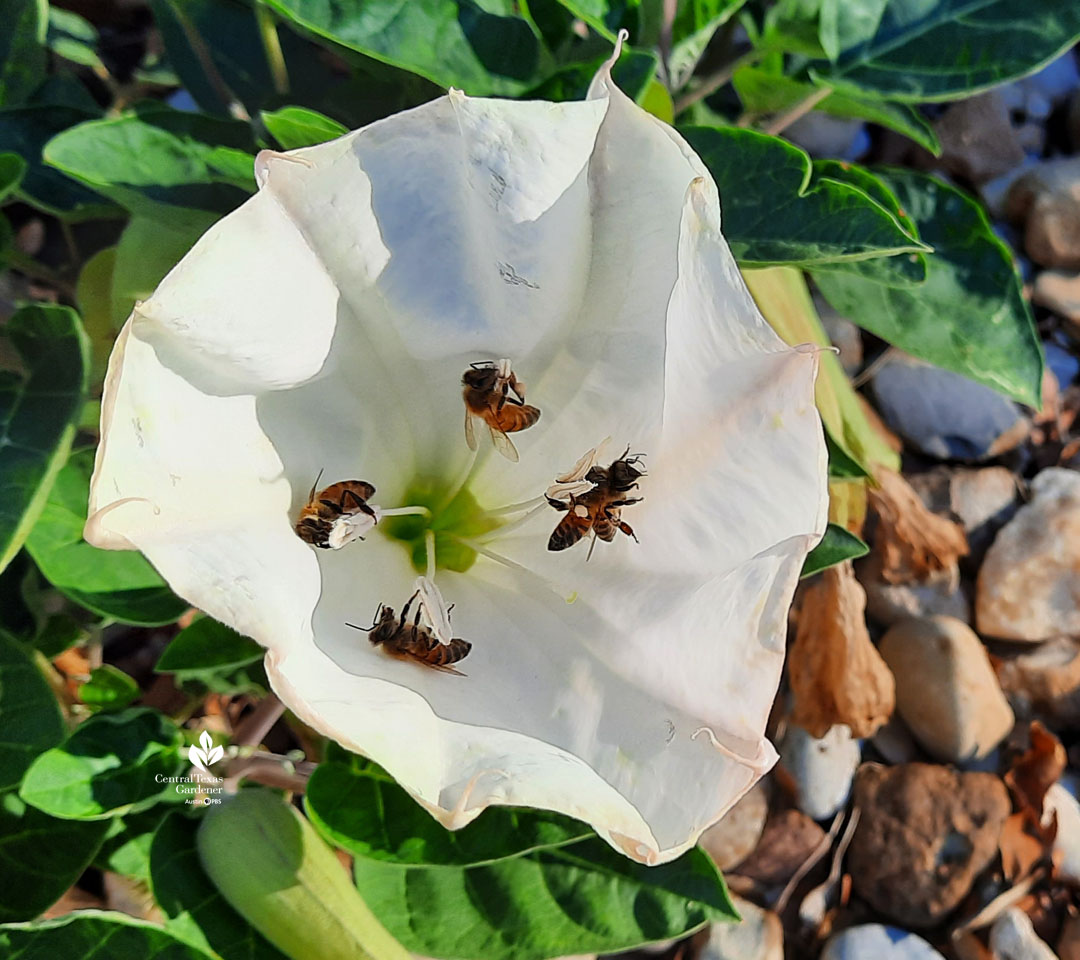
(763, 91)
(362, 810)
(777, 211)
(484, 50)
(108, 688)
(114, 583)
(209, 653)
(84, 935)
(969, 316)
(836, 546)
(943, 49)
(40, 856)
(107, 767)
(126, 849)
(25, 130)
(22, 53)
(634, 73)
(582, 898)
(30, 720)
(40, 402)
(295, 127)
(160, 162)
(193, 908)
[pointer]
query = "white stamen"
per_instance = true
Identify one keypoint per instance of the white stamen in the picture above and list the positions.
(429, 545)
(568, 595)
(521, 521)
(434, 609)
(514, 507)
(416, 511)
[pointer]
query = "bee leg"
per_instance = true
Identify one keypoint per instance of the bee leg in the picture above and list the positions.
(558, 504)
(628, 530)
(620, 503)
(405, 610)
(361, 504)
(502, 397)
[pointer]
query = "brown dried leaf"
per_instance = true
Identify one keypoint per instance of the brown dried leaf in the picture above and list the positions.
(1020, 849)
(967, 946)
(836, 673)
(1035, 771)
(911, 541)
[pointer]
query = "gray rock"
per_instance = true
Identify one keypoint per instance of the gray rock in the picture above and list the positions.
(842, 333)
(1045, 679)
(1012, 937)
(826, 136)
(1061, 804)
(874, 941)
(944, 414)
(1046, 199)
(1028, 583)
(946, 690)
(1063, 363)
(759, 937)
(822, 769)
(890, 603)
(978, 141)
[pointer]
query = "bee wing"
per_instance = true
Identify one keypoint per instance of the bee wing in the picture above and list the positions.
(503, 444)
(470, 430)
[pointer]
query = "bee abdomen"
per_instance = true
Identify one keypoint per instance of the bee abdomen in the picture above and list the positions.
(447, 653)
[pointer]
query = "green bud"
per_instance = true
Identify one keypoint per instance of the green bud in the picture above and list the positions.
(274, 869)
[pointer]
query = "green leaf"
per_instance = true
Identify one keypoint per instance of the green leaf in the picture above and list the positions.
(295, 127)
(634, 74)
(210, 653)
(40, 857)
(763, 91)
(25, 130)
(22, 55)
(484, 50)
(944, 49)
(40, 402)
(365, 812)
(969, 316)
(777, 211)
(160, 162)
(582, 898)
(107, 767)
(694, 26)
(113, 583)
(126, 849)
(193, 908)
(30, 720)
(82, 935)
(74, 38)
(108, 688)
(836, 546)
(784, 300)
(12, 170)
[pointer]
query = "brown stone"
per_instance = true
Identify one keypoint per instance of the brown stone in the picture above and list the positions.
(977, 140)
(731, 840)
(925, 833)
(1047, 680)
(789, 839)
(1046, 200)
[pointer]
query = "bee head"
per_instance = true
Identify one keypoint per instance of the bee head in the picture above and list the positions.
(481, 376)
(624, 473)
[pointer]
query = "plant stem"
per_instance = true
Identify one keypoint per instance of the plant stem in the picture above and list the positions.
(272, 47)
(801, 109)
(18, 260)
(715, 81)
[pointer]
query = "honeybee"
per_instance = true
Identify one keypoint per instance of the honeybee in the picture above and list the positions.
(328, 510)
(495, 395)
(598, 510)
(414, 641)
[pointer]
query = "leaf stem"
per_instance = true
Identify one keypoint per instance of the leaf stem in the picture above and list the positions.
(30, 267)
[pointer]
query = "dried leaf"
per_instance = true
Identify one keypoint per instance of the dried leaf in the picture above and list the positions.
(836, 673)
(790, 838)
(1035, 771)
(1020, 849)
(967, 946)
(911, 541)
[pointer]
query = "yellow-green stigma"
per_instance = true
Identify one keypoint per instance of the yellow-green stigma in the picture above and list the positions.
(460, 519)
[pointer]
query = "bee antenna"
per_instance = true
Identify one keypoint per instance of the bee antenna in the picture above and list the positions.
(315, 485)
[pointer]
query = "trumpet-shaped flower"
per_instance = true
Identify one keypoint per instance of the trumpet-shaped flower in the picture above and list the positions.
(327, 325)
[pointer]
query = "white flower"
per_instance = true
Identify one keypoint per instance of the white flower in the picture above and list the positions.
(326, 325)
